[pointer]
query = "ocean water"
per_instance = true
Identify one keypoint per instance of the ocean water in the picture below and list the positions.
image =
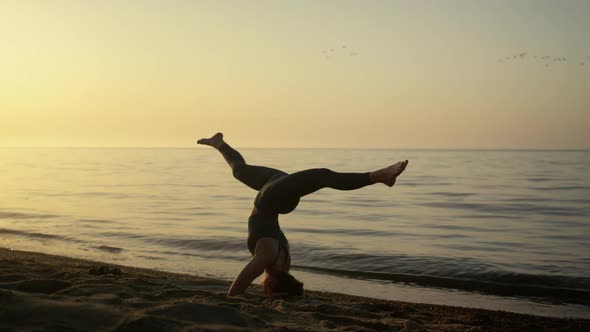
(503, 230)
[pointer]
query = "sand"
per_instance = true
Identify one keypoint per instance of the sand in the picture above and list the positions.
(41, 292)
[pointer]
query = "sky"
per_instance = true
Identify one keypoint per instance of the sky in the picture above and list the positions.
(296, 74)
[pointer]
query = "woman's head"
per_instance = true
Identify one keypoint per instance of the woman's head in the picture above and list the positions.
(281, 282)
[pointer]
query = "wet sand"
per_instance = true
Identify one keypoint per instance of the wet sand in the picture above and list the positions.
(41, 292)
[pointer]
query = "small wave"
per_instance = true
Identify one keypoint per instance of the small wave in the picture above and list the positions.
(561, 188)
(528, 199)
(114, 250)
(579, 237)
(153, 258)
(354, 232)
(508, 285)
(490, 216)
(505, 244)
(463, 228)
(20, 215)
(123, 235)
(191, 214)
(425, 184)
(89, 194)
(463, 268)
(451, 194)
(34, 234)
(204, 244)
(507, 208)
(231, 256)
(539, 179)
(96, 221)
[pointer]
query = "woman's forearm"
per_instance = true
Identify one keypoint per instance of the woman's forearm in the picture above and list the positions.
(250, 272)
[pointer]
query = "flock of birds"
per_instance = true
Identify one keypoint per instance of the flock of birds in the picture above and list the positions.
(546, 59)
(342, 50)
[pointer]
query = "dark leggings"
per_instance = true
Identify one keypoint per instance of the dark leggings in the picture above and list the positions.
(279, 192)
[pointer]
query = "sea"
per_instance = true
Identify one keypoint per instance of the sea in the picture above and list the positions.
(495, 229)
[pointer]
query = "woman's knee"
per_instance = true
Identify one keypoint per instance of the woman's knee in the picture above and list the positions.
(237, 170)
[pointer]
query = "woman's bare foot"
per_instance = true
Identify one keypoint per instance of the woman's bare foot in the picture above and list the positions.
(215, 141)
(388, 175)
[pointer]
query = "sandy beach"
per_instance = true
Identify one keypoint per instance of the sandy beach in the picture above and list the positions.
(52, 293)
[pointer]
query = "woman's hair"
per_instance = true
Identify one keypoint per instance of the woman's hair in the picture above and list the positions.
(282, 282)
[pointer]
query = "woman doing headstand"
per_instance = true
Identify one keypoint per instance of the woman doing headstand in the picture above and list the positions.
(279, 193)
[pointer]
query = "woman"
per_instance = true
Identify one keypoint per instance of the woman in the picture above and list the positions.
(279, 193)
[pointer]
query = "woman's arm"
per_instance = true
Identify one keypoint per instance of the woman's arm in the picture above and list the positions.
(264, 255)
(250, 272)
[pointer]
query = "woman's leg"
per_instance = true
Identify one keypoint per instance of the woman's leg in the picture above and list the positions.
(254, 177)
(303, 183)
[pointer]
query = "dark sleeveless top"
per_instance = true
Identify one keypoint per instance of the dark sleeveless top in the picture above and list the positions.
(265, 222)
(263, 225)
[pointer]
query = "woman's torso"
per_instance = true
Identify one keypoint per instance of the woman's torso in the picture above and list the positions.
(265, 225)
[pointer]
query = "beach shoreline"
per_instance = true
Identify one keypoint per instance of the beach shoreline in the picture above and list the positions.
(46, 292)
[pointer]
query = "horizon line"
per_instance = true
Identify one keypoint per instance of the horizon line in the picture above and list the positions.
(299, 148)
